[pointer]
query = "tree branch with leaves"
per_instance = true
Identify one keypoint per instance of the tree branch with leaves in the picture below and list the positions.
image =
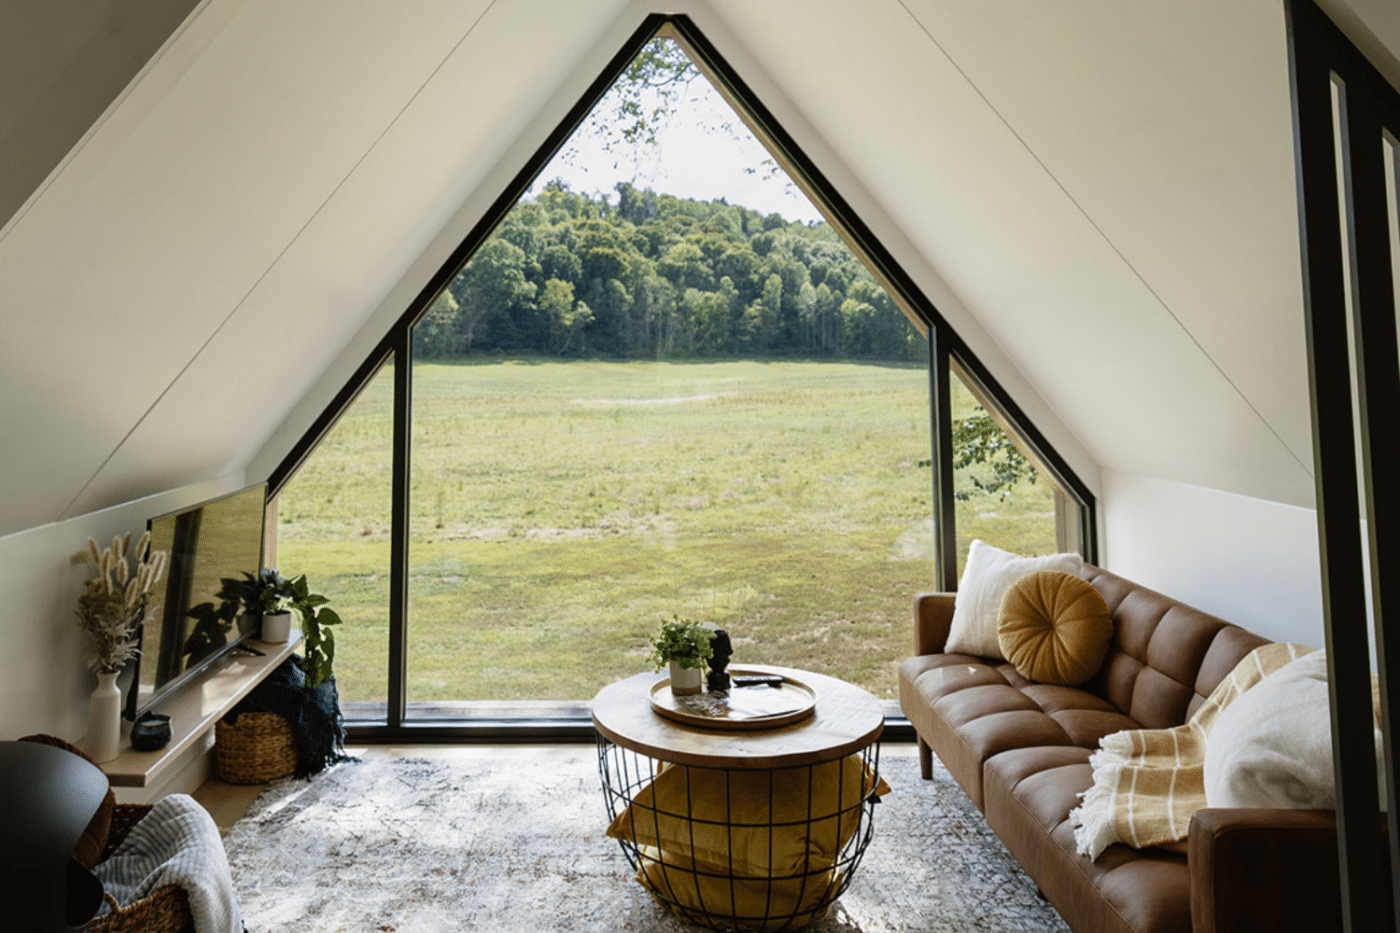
(977, 439)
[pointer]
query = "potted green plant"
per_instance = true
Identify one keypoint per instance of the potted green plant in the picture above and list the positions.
(685, 646)
(265, 599)
(275, 597)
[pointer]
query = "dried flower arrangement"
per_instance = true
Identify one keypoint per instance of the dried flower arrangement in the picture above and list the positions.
(113, 604)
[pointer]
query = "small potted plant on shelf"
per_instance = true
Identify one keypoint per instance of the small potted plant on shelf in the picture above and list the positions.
(275, 597)
(265, 598)
(685, 646)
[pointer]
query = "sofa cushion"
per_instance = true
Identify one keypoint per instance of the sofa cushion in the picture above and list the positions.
(755, 824)
(1272, 747)
(1029, 793)
(989, 573)
(1085, 718)
(968, 710)
(701, 896)
(1165, 657)
(1054, 628)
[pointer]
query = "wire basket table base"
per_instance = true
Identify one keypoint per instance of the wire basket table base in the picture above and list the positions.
(742, 849)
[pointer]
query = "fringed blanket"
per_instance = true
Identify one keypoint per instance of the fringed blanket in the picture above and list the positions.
(1148, 782)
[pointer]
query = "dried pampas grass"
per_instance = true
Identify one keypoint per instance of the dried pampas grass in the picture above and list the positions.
(113, 604)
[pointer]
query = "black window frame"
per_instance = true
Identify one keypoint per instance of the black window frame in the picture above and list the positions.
(1343, 110)
(946, 351)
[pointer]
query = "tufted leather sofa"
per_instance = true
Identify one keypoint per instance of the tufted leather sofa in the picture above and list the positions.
(1021, 752)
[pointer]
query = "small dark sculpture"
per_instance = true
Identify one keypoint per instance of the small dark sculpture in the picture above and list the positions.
(721, 650)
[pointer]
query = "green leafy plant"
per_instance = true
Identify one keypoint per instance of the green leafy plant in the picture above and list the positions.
(268, 591)
(319, 647)
(685, 643)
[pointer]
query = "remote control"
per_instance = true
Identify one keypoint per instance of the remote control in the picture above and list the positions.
(757, 680)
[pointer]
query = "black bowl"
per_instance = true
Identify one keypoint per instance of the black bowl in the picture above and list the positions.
(150, 732)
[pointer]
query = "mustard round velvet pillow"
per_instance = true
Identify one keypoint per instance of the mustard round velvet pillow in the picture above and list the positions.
(1054, 628)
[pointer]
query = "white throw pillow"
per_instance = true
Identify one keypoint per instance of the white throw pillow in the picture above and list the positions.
(988, 575)
(1272, 746)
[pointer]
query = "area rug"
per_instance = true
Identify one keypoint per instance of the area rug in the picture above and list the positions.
(405, 845)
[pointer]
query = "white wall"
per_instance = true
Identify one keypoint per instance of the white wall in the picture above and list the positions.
(1249, 561)
(44, 683)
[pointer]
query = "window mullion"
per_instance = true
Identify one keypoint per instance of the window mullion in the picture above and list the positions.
(941, 411)
(398, 580)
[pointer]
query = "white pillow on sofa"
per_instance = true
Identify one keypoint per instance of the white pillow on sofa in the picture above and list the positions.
(1272, 746)
(988, 575)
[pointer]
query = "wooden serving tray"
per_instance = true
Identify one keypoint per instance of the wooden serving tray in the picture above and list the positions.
(737, 709)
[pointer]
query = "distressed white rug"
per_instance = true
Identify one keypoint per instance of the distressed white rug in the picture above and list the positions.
(413, 845)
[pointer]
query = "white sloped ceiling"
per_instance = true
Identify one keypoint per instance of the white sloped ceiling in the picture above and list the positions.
(1109, 189)
(1105, 188)
(176, 287)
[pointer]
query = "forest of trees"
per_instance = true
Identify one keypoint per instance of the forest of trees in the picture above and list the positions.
(651, 276)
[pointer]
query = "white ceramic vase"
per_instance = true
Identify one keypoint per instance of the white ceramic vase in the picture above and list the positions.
(104, 733)
(685, 681)
(276, 626)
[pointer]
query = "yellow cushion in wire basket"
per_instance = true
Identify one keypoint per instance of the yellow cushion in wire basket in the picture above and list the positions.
(759, 822)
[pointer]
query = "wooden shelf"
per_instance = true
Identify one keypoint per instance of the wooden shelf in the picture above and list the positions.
(194, 709)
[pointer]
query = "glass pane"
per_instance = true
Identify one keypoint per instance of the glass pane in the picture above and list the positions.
(563, 509)
(333, 521)
(662, 387)
(1001, 497)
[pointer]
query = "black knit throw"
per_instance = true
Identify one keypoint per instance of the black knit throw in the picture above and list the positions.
(318, 730)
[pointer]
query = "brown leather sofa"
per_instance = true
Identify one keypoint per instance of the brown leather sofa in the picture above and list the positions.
(1021, 752)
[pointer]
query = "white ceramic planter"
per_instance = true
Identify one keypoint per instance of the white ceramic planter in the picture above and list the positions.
(276, 626)
(685, 681)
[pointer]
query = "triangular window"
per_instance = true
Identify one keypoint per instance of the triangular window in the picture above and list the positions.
(671, 374)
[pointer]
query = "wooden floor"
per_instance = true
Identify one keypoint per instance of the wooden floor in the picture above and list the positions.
(228, 802)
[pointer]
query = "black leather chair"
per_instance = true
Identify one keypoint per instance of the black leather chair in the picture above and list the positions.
(47, 798)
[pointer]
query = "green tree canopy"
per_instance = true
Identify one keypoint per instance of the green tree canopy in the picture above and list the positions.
(656, 276)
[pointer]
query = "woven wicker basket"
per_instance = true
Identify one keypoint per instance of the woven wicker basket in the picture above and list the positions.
(165, 910)
(254, 749)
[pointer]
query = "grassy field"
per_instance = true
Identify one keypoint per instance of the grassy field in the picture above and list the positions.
(560, 511)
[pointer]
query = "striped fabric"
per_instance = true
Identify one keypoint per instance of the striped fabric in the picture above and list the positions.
(1148, 782)
(176, 843)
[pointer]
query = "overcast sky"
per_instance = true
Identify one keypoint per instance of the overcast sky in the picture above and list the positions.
(688, 161)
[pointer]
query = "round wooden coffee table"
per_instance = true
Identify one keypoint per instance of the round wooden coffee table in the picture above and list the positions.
(747, 829)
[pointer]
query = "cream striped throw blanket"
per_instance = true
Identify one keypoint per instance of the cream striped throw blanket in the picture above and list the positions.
(1148, 782)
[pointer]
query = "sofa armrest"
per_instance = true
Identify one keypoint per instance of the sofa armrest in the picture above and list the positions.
(933, 617)
(1256, 870)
